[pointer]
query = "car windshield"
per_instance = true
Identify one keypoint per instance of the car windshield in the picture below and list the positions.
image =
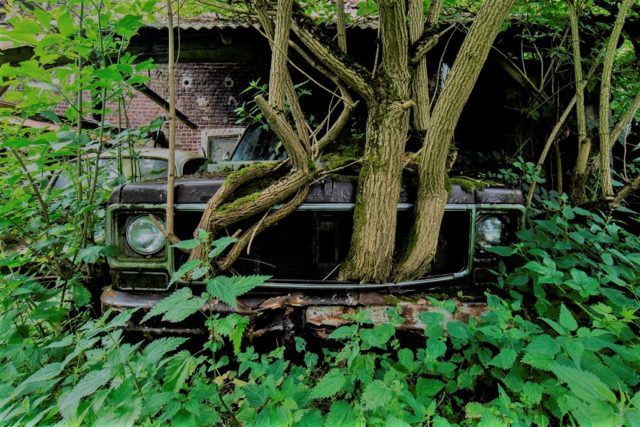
(258, 143)
(135, 169)
(111, 168)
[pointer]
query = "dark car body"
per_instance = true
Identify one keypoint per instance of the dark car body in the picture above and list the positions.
(302, 253)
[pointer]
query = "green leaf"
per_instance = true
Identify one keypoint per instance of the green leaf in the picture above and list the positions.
(89, 255)
(439, 421)
(504, 359)
(65, 342)
(176, 307)
(566, 319)
(89, 384)
(329, 385)
(343, 332)
(405, 357)
(156, 349)
(221, 288)
(458, 330)
(199, 273)
(109, 75)
(393, 421)
(378, 336)
(128, 25)
(255, 394)
(428, 387)
(584, 384)
(43, 17)
(532, 393)
(219, 245)
(65, 25)
(375, 395)
(313, 418)
(185, 269)
(541, 352)
(435, 348)
(45, 373)
(341, 414)
(179, 368)
(187, 244)
(243, 284)
(501, 250)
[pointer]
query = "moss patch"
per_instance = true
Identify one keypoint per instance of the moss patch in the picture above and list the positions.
(469, 185)
(227, 207)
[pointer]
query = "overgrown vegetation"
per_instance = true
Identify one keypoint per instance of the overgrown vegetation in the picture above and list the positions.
(558, 344)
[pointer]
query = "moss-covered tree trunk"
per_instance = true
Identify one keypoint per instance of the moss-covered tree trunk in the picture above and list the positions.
(432, 191)
(390, 92)
(375, 218)
(578, 181)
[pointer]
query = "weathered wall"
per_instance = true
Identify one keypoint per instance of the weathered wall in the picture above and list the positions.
(206, 92)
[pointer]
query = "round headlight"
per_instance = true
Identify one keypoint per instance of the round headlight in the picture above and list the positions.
(144, 237)
(489, 231)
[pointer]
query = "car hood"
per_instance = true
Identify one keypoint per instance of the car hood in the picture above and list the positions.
(200, 190)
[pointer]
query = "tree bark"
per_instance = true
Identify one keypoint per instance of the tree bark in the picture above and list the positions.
(632, 186)
(432, 191)
(220, 213)
(372, 248)
(605, 101)
(584, 144)
(171, 167)
(420, 78)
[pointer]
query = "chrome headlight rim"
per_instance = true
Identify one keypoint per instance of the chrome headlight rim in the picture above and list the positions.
(155, 239)
(490, 231)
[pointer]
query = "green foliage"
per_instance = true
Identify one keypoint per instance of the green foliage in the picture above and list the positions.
(557, 345)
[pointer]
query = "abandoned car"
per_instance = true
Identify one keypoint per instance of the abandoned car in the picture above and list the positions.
(138, 164)
(302, 253)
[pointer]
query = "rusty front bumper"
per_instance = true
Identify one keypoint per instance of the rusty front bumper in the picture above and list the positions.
(317, 310)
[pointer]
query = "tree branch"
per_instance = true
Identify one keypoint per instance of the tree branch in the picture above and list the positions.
(420, 80)
(337, 126)
(625, 120)
(340, 26)
(632, 186)
(279, 124)
(291, 95)
(269, 220)
(280, 46)
(427, 41)
(547, 146)
(605, 99)
(171, 169)
(354, 75)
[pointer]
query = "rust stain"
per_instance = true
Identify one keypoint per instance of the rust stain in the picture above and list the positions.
(371, 298)
(319, 311)
(334, 316)
(291, 300)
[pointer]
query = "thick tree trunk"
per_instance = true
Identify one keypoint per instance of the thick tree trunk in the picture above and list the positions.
(300, 144)
(374, 232)
(373, 243)
(578, 193)
(606, 142)
(432, 192)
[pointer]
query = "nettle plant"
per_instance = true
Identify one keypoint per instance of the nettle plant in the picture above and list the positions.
(558, 344)
(64, 82)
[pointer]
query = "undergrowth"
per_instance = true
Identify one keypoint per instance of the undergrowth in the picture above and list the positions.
(558, 344)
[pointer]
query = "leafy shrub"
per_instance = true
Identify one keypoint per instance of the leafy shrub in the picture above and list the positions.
(557, 345)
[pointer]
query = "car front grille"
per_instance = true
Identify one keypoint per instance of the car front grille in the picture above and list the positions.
(308, 246)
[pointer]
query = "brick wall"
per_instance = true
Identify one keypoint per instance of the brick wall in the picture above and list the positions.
(207, 93)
